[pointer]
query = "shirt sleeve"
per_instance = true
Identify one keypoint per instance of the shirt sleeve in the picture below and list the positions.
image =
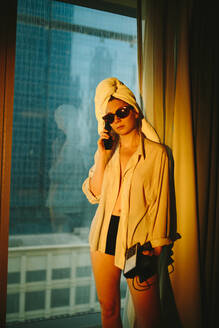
(93, 199)
(160, 211)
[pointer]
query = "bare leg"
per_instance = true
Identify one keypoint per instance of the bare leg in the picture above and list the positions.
(107, 278)
(146, 303)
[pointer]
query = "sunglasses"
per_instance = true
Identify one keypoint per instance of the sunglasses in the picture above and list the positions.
(120, 113)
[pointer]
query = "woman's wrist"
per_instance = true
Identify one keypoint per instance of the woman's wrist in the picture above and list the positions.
(104, 157)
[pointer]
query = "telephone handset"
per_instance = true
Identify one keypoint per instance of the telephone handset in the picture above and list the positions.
(108, 143)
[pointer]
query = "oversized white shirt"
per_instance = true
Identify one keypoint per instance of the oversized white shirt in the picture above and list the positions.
(144, 200)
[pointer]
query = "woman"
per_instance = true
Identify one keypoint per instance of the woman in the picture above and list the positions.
(130, 183)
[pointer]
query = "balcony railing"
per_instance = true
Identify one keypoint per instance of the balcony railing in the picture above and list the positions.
(47, 281)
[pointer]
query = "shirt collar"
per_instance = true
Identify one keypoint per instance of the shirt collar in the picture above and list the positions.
(140, 151)
(141, 147)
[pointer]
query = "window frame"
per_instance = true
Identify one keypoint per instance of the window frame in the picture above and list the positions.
(113, 6)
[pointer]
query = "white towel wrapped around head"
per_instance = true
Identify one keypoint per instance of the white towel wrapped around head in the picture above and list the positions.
(113, 87)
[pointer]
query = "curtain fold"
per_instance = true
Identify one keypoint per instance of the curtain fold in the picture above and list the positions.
(165, 91)
(204, 67)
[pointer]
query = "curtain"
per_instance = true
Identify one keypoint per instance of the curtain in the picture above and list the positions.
(204, 72)
(164, 82)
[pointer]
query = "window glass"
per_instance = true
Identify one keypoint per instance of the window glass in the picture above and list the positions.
(62, 52)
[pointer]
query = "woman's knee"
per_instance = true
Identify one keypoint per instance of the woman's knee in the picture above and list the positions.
(110, 309)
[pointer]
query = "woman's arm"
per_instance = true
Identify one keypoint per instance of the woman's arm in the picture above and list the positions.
(102, 159)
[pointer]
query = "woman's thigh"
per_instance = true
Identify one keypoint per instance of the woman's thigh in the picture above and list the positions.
(107, 279)
(146, 301)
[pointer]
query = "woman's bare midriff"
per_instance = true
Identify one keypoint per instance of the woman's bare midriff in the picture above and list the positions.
(117, 207)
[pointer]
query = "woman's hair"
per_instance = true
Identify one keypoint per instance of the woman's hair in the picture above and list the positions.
(111, 98)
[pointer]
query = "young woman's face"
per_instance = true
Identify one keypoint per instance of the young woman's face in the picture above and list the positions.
(122, 126)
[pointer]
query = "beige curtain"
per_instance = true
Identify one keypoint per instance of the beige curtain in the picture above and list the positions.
(204, 66)
(165, 90)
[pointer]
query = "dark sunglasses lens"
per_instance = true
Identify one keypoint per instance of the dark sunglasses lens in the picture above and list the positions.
(109, 118)
(123, 112)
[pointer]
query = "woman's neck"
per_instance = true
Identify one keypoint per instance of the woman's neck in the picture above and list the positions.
(130, 140)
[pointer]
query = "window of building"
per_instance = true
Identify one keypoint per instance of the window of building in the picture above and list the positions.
(62, 52)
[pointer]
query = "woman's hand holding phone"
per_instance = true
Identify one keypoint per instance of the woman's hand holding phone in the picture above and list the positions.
(104, 135)
(106, 143)
(102, 158)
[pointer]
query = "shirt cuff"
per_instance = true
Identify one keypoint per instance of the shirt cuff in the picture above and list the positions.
(161, 242)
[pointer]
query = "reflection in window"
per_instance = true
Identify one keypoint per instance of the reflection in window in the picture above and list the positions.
(62, 52)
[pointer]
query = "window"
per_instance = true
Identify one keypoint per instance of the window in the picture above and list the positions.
(62, 52)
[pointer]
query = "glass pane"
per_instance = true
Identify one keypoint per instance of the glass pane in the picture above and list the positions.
(62, 52)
